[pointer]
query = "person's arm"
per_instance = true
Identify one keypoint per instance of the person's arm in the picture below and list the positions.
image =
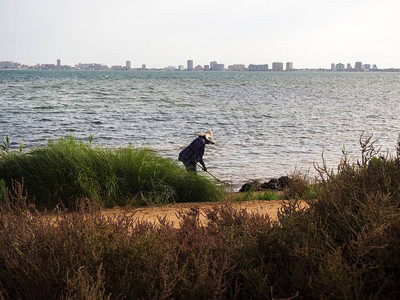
(202, 163)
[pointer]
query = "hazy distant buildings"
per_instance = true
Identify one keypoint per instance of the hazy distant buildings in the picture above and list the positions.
(214, 66)
(91, 67)
(117, 68)
(340, 67)
(358, 66)
(190, 65)
(277, 66)
(219, 67)
(170, 68)
(258, 67)
(10, 65)
(237, 67)
(47, 67)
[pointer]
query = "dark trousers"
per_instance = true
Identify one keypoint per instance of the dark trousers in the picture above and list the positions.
(189, 165)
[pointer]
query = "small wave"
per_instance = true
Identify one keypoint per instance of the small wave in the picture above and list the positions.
(105, 137)
(211, 85)
(43, 107)
(102, 93)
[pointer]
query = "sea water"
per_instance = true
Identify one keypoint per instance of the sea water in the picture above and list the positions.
(266, 124)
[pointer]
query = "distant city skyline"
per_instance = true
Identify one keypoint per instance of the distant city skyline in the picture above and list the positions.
(309, 33)
(191, 66)
(213, 66)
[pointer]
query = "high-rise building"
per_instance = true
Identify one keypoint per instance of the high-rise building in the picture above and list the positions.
(358, 66)
(58, 63)
(277, 66)
(289, 66)
(349, 67)
(333, 67)
(212, 65)
(144, 67)
(190, 65)
(128, 65)
(219, 67)
(339, 67)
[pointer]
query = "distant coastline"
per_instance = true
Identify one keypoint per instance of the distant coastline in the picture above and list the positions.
(276, 67)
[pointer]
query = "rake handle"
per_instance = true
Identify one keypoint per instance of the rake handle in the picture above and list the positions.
(209, 172)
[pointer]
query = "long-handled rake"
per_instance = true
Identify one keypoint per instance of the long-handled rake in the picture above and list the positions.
(209, 173)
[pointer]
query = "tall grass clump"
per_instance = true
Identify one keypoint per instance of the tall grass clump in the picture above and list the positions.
(68, 169)
(301, 186)
(346, 244)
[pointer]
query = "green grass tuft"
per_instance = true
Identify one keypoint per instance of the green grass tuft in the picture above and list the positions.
(68, 169)
(253, 195)
(267, 195)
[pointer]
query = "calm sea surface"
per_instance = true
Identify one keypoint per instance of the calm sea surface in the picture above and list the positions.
(266, 124)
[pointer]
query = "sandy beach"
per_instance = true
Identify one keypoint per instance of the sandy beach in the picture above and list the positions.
(170, 211)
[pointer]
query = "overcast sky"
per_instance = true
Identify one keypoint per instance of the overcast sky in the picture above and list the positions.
(158, 33)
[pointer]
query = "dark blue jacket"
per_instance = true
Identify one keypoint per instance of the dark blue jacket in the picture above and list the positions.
(194, 152)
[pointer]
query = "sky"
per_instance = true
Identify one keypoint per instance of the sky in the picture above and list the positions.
(159, 33)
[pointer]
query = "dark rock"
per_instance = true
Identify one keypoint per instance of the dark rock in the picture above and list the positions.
(253, 185)
(270, 185)
(274, 184)
(283, 183)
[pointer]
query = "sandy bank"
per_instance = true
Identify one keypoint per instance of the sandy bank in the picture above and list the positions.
(170, 211)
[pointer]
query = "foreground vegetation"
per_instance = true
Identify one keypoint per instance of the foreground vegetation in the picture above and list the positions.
(68, 169)
(346, 245)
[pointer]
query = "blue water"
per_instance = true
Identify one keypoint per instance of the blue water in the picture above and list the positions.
(266, 124)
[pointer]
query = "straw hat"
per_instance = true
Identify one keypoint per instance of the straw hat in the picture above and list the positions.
(209, 136)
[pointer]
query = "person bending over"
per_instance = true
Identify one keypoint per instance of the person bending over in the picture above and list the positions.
(193, 153)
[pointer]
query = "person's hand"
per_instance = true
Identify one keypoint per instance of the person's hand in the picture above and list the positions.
(205, 169)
